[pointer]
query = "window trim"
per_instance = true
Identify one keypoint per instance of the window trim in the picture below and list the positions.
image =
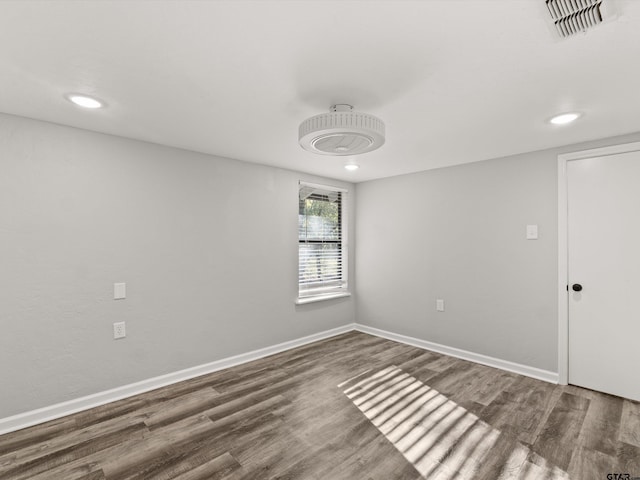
(338, 291)
(321, 298)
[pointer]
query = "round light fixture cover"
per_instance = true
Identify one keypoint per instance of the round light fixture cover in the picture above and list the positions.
(564, 118)
(84, 101)
(341, 132)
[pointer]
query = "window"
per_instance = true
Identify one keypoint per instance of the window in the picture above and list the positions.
(321, 243)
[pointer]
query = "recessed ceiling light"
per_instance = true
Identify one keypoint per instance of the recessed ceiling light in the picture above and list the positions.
(351, 167)
(565, 118)
(84, 100)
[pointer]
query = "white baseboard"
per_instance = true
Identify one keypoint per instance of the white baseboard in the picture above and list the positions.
(526, 370)
(45, 414)
(41, 415)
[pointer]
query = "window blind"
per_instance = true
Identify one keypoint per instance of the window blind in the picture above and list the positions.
(320, 240)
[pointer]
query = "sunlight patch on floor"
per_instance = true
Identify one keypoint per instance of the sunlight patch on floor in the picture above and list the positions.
(441, 439)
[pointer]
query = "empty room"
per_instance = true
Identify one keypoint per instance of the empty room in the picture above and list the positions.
(319, 239)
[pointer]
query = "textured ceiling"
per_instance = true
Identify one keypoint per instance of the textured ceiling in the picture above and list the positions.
(455, 81)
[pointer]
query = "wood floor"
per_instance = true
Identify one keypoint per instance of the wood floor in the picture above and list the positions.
(353, 407)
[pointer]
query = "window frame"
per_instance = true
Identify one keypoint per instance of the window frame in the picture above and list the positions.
(327, 292)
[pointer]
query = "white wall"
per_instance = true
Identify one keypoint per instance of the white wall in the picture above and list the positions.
(458, 233)
(206, 245)
(80, 211)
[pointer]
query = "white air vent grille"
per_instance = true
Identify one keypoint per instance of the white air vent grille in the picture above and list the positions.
(575, 16)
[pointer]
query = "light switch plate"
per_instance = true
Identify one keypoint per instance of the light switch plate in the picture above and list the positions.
(440, 305)
(532, 232)
(119, 291)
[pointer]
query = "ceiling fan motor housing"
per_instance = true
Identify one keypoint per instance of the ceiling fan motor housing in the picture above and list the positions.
(341, 132)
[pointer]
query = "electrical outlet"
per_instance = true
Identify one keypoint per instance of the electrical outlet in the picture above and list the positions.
(119, 330)
(119, 291)
(440, 305)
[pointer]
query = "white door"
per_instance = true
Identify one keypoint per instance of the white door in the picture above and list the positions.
(604, 259)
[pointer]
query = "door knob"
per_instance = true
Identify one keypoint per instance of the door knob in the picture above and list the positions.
(576, 287)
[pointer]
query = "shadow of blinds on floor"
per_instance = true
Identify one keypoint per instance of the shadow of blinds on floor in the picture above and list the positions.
(440, 438)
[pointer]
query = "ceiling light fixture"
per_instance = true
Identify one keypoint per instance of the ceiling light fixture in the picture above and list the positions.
(341, 132)
(352, 167)
(84, 101)
(565, 118)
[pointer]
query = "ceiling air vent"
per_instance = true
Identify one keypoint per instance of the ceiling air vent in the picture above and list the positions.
(571, 17)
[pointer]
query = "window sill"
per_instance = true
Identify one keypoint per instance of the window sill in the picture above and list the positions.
(321, 298)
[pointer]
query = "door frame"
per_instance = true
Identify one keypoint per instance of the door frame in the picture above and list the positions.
(563, 246)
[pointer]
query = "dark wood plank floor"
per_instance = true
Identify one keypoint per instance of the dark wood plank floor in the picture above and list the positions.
(351, 407)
